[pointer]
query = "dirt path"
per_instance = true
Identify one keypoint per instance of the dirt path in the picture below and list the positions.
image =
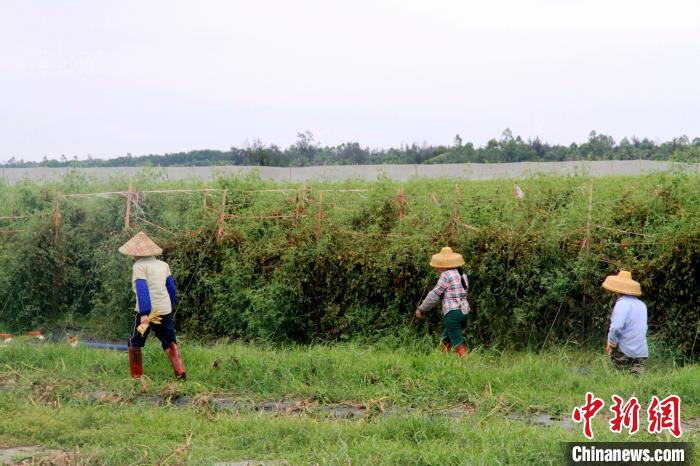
(211, 404)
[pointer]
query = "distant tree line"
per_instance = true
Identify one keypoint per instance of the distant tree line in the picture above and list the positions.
(306, 151)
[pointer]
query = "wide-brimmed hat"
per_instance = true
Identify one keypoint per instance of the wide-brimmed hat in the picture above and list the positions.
(446, 259)
(140, 245)
(622, 283)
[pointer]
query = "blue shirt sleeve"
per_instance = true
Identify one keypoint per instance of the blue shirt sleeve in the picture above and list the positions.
(617, 321)
(143, 296)
(170, 285)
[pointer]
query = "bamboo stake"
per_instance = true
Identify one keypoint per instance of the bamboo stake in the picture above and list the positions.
(270, 191)
(472, 227)
(297, 210)
(222, 215)
(127, 215)
(105, 194)
(345, 190)
(205, 197)
(57, 218)
(319, 215)
(154, 225)
(258, 217)
(590, 215)
(453, 223)
(401, 198)
(193, 191)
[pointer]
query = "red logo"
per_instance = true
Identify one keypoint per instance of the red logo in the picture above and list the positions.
(661, 415)
(587, 412)
(626, 415)
(665, 415)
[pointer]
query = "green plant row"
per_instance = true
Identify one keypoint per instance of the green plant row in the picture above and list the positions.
(342, 265)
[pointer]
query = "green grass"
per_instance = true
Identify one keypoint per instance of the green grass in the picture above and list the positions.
(51, 386)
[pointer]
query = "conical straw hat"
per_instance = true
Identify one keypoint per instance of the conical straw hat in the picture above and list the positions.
(446, 259)
(140, 245)
(622, 283)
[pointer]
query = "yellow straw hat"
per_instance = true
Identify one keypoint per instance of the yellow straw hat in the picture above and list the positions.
(622, 283)
(446, 259)
(140, 245)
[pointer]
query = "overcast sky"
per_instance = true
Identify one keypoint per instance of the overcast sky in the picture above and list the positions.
(105, 78)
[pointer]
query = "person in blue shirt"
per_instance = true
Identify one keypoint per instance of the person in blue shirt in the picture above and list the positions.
(627, 337)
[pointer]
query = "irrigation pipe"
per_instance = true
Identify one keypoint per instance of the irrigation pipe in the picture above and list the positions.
(109, 346)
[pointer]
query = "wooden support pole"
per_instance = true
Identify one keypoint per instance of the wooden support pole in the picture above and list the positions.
(401, 199)
(455, 201)
(222, 216)
(57, 219)
(204, 207)
(453, 223)
(590, 215)
(297, 210)
(319, 215)
(127, 215)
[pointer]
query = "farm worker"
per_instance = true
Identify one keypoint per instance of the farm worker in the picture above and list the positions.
(452, 289)
(154, 286)
(627, 337)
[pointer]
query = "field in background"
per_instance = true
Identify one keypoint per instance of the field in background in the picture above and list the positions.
(397, 172)
(415, 405)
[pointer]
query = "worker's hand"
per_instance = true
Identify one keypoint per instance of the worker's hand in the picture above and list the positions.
(609, 347)
(419, 314)
(145, 320)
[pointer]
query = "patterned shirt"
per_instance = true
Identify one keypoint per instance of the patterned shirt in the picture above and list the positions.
(449, 288)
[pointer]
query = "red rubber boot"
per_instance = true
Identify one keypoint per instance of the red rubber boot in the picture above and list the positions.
(176, 361)
(462, 351)
(135, 363)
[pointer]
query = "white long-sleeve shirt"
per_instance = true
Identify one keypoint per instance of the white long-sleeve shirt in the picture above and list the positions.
(628, 327)
(156, 273)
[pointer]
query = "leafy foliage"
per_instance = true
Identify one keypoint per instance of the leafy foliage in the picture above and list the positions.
(271, 279)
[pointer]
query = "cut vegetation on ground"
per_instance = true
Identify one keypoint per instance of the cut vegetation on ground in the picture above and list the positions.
(332, 405)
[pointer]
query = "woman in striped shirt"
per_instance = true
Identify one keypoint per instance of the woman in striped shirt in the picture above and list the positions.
(452, 289)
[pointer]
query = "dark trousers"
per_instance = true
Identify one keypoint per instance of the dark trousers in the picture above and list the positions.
(623, 362)
(165, 332)
(455, 323)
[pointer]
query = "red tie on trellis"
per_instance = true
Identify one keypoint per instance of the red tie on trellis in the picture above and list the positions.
(519, 192)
